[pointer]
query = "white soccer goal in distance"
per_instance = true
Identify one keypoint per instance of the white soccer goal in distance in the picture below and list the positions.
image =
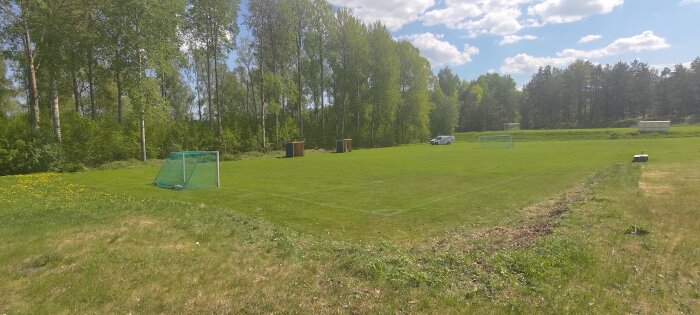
(496, 141)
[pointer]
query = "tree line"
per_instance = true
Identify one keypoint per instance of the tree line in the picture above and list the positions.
(112, 80)
(585, 95)
(106, 80)
(582, 95)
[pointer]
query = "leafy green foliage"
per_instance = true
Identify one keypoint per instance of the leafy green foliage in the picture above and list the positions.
(444, 115)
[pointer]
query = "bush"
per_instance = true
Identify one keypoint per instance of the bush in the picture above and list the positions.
(229, 142)
(24, 156)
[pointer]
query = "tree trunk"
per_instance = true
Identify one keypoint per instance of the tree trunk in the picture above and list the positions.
(33, 92)
(247, 96)
(143, 135)
(262, 103)
(91, 83)
(342, 128)
(211, 120)
(55, 115)
(76, 91)
(219, 127)
(264, 136)
(197, 88)
(120, 94)
(323, 114)
(252, 91)
(163, 90)
(299, 87)
(359, 108)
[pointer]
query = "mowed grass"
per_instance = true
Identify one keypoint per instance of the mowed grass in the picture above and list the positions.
(676, 131)
(399, 193)
(414, 229)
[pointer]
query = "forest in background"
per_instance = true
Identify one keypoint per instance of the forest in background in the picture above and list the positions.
(106, 80)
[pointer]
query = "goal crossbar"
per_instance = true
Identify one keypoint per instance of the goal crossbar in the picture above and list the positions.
(496, 141)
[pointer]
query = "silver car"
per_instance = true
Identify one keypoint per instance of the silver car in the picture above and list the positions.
(443, 140)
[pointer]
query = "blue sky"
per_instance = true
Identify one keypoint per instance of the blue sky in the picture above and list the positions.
(517, 36)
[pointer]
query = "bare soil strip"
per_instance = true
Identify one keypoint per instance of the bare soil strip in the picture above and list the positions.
(539, 219)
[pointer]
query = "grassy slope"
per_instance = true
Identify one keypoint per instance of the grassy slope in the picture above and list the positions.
(107, 242)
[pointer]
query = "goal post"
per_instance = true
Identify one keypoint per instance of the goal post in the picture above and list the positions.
(496, 141)
(189, 170)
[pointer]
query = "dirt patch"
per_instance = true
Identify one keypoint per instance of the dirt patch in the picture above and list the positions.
(80, 238)
(138, 222)
(651, 184)
(539, 219)
(649, 174)
(653, 189)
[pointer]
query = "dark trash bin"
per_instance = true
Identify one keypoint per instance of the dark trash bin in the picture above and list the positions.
(294, 149)
(343, 145)
(289, 148)
(298, 148)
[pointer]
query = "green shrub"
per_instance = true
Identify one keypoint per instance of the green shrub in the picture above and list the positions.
(23, 156)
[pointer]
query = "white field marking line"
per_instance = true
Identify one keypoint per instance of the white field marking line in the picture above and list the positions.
(454, 195)
(377, 182)
(306, 200)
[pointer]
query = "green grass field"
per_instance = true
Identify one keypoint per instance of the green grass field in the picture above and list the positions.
(538, 228)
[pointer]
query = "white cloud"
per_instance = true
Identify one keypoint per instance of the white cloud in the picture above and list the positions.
(500, 22)
(589, 38)
(479, 17)
(689, 2)
(452, 15)
(642, 42)
(567, 11)
(440, 52)
(524, 63)
(507, 17)
(393, 13)
(512, 39)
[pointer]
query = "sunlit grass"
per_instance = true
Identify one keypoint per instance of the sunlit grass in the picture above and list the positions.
(399, 193)
(407, 229)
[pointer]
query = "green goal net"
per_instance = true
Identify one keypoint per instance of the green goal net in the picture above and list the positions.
(189, 170)
(496, 142)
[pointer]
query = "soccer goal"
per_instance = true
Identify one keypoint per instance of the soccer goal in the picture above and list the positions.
(496, 142)
(189, 170)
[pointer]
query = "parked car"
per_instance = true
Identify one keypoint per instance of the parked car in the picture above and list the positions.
(443, 140)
